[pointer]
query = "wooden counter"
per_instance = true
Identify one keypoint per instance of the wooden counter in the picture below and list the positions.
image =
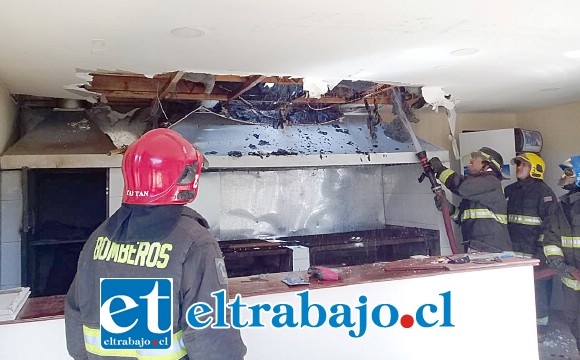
(361, 274)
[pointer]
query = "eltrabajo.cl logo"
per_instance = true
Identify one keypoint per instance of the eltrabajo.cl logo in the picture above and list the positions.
(136, 313)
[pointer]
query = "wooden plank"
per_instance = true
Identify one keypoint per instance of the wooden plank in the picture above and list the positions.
(171, 85)
(250, 83)
(145, 88)
(137, 86)
(125, 83)
(287, 80)
(380, 90)
(153, 95)
(322, 100)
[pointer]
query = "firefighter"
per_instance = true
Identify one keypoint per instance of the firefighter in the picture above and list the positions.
(482, 213)
(531, 209)
(154, 235)
(563, 254)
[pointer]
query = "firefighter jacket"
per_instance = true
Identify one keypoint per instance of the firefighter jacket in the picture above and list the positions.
(164, 241)
(531, 210)
(482, 212)
(567, 246)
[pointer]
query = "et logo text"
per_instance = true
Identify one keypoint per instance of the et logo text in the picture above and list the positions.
(136, 314)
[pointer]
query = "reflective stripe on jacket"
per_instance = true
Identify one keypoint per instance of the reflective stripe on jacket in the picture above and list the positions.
(483, 210)
(567, 245)
(181, 248)
(93, 346)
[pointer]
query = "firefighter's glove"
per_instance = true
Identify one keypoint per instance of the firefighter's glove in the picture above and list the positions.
(560, 266)
(572, 272)
(436, 165)
(439, 200)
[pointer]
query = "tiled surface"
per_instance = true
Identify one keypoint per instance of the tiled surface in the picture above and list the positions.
(10, 263)
(11, 220)
(10, 223)
(11, 188)
(114, 204)
(418, 209)
(115, 182)
(9, 286)
(410, 203)
(404, 180)
(208, 200)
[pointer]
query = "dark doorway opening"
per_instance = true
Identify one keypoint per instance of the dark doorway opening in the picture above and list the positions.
(62, 208)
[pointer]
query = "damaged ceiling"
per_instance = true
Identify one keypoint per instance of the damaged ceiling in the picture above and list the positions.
(489, 56)
(238, 122)
(125, 105)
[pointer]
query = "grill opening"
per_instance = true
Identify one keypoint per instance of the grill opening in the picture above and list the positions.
(62, 207)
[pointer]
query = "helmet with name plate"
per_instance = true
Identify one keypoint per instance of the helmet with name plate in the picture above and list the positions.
(161, 168)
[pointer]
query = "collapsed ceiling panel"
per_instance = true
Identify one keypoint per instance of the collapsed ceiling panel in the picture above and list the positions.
(258, 99)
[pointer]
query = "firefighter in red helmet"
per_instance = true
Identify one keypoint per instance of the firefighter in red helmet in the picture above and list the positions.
(153, 236)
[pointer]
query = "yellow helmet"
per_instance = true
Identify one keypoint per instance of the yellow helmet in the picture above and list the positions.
(537, 164)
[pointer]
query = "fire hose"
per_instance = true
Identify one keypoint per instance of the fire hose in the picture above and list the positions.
(427, 170)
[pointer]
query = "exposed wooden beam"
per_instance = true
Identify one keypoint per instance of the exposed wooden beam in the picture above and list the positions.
(285, 80)
(381, 89)
(250, 83)
(152, 95)
(170, 87)
(137, 86)
(322, 100)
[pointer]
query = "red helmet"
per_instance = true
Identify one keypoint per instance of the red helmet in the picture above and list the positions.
(161, 168)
